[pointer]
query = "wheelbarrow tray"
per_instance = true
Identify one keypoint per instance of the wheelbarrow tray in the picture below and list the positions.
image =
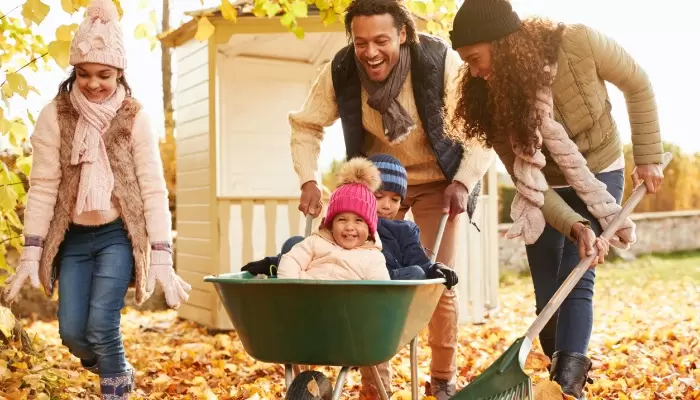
(332, 323)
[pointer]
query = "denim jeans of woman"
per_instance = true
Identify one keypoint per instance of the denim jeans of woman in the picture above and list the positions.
(552, 258)
(96, 267)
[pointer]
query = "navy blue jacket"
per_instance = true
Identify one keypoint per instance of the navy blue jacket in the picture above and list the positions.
(401, 244)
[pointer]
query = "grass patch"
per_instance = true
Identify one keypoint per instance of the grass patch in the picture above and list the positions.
(681, 266)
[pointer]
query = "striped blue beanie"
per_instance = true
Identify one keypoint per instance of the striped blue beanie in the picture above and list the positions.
(393, 174)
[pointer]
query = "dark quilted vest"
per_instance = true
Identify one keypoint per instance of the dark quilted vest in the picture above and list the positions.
(428, 77)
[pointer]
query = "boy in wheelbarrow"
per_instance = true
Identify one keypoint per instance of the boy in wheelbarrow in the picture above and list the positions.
(406, 258)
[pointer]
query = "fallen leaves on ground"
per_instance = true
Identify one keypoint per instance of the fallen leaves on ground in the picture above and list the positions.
(645, 345)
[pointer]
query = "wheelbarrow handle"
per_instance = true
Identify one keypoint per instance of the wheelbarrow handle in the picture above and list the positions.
(309, 224)
(438, 238)
(575, 275)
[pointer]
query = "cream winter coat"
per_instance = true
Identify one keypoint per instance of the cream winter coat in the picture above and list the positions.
(319, 257)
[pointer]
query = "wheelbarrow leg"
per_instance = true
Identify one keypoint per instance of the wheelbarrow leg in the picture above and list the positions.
(414, 368)
(378, 383)
(340, 382)
(288, 375)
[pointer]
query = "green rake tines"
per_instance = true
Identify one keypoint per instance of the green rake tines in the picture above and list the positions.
(506, 379)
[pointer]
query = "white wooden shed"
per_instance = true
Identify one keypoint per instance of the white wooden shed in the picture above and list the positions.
(237, 192)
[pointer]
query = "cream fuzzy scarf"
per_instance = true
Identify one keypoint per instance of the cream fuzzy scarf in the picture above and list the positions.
(96, 179)
(531, 184)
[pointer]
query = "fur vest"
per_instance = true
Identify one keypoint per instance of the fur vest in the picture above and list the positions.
(126, 194)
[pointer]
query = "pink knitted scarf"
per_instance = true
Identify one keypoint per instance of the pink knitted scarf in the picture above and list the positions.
(96, 179)
(531, 184)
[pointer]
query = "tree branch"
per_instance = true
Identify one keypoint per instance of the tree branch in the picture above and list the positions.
(12, 184)
(22, 67)
(4, 15)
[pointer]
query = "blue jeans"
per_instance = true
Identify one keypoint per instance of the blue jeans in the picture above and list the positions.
(96, 267)
(552, 258)
(413, 272)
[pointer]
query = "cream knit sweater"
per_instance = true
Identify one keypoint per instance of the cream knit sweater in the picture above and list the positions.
(415, 153)
(46, 176)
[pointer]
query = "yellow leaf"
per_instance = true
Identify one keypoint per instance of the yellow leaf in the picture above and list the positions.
(228, 11)
(141, 31)
(18, 84)
(8, 198)
(401, 395)
(5, 125)
(313, 388)
(7, 321)
(204, 29)
(60, 51)
(298, 31)
(18, 132)
(299, 9)
(64, 33)
(35, 11)
(69, 6)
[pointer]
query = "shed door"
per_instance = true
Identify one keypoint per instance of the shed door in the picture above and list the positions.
(256, 97)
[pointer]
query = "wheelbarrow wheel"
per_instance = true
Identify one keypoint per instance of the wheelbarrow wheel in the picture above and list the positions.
(310, 385)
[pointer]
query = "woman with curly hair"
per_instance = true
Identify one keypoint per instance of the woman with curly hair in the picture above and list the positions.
(534, 91)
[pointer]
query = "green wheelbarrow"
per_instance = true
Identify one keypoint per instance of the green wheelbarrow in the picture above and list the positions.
(330, 323)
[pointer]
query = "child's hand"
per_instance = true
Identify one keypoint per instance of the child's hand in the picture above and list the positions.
(440, 270)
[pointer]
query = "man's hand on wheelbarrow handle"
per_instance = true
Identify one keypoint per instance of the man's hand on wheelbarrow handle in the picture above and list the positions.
(440, 270)
(261, 266)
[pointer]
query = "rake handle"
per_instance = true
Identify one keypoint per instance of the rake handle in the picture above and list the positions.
(556, 301)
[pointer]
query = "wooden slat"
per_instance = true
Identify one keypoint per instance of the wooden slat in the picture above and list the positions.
(195, 229)
(201, 298)
(198, 195)
(247, 207)
(196, 314)
(190, 179)
(190, 212)
(270, 227)
(193, 111)
(193, 60)
(188, 162)
(293, 218)
(192, 78)
(188, 129)
(191, 95)
(193, 262)
(189, 49)
(196, 280)
(198, 247)
(224, 240)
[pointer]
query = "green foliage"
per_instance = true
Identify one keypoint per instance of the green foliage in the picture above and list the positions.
(438, 14)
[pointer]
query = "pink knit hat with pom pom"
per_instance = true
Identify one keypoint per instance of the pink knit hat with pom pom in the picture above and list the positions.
(99, 37)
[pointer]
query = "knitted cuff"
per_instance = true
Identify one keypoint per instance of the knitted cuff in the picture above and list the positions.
(31, 253)
(159, 257)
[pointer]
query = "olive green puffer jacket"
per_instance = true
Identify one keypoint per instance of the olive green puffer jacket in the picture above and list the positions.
(587, 59)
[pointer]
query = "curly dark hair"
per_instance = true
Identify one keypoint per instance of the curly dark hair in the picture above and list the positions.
(396, 8)
(504, 106)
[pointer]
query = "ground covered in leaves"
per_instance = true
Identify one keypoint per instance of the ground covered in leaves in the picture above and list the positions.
(645, 345)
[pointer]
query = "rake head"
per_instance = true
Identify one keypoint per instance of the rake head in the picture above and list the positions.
(504, 379)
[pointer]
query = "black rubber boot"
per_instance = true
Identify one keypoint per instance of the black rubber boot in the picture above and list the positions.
(570, 370)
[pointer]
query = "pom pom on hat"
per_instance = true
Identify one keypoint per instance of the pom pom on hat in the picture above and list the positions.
(362, 171)
(358, 179)
(103, 9)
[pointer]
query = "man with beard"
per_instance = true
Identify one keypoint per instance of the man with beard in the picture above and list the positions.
(388, 88)
(535, 92)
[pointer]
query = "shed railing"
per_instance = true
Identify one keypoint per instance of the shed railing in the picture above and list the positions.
(255, 227)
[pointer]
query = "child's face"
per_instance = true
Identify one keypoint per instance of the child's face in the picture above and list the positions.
(96, 81)
(349, 230)
(388, 204)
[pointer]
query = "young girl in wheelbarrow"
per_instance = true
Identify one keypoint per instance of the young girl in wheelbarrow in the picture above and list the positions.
(97, 204)
(400, 244)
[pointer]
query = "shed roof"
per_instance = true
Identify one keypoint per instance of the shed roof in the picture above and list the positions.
(247, 22)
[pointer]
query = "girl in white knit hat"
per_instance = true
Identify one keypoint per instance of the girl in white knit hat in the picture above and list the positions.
(97, 218)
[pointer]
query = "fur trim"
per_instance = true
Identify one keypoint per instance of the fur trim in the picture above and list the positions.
(360, 170)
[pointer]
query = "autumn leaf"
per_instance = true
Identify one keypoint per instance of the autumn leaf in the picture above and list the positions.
(141, 31)
(65, 33)
(204, 29)
(35, 11)
(17, 84)
(299, 9)
(7, 321)
(24, 164)
(59, 50)
(69, 6)
(228, 11)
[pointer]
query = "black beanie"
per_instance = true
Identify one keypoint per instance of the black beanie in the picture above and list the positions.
(479, 21)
